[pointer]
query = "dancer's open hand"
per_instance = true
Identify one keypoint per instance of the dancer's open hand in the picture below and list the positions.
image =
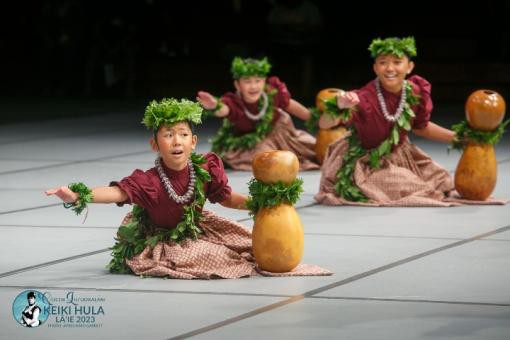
(347, 100)
(64, 193)
(207, 100)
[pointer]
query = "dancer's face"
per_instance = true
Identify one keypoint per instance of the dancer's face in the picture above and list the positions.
(392, 71)
(250, 88)
(31, 300)
(175, 143)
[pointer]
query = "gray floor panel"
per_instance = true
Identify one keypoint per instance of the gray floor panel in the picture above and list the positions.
(16, 244)
(458, 222)
(56, 215)
(339, 254)
(374, 320)
(474, 272)
(13, 165)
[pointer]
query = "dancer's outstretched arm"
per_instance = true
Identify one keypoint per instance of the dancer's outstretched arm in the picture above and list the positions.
(436, 133)
(112, 194)
(236, 201)
(209, 103)
(298, 110)
(327, 121)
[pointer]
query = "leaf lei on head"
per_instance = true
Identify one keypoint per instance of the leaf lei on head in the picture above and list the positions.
(269, 195)
(249, 67)
(169, 111)
(84, 197)
(464, 133)
(225, 139)
(393, 46)
(344, 186)
(133, 237)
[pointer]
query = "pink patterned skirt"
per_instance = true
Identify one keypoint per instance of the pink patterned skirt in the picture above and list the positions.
(408, 177)
(223, 251)
(283, 136)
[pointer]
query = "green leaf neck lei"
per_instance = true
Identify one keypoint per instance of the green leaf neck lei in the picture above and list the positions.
(139, 232)
(345, 186)
(226, 140)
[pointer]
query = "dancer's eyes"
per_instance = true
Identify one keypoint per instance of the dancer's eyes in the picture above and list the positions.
(171, 134)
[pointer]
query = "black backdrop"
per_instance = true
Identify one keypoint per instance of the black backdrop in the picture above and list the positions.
(154, 48)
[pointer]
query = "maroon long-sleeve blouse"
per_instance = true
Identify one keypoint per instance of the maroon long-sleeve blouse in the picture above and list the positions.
(145, 189)
(369, 121)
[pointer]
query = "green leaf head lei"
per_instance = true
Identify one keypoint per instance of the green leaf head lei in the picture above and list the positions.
(249, 67)
(393, 46)
(169, 111)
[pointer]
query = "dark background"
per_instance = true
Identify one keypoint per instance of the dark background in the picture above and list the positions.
(64, 58)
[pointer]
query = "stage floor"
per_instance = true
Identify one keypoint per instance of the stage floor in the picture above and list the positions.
(399, 273)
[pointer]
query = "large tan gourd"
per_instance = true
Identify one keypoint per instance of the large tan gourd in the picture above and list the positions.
(485, 110)
(326, 136)
(277, 236)
(476, 173)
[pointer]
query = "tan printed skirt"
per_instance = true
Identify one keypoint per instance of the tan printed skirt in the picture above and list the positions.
(283, 136)
(223, 251)
(408, 177)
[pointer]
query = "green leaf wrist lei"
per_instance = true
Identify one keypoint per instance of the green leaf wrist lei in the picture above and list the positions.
(84, 197)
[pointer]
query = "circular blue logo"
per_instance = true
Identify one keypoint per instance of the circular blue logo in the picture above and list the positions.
(30, 308)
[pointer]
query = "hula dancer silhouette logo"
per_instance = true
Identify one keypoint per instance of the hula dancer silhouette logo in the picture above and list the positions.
(30, 308)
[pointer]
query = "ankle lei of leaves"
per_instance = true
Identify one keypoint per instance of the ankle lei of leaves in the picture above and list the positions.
(344, 186)
(84, 197)
(225, 140)
(270, 195)
(464, 133)
(132, 238)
